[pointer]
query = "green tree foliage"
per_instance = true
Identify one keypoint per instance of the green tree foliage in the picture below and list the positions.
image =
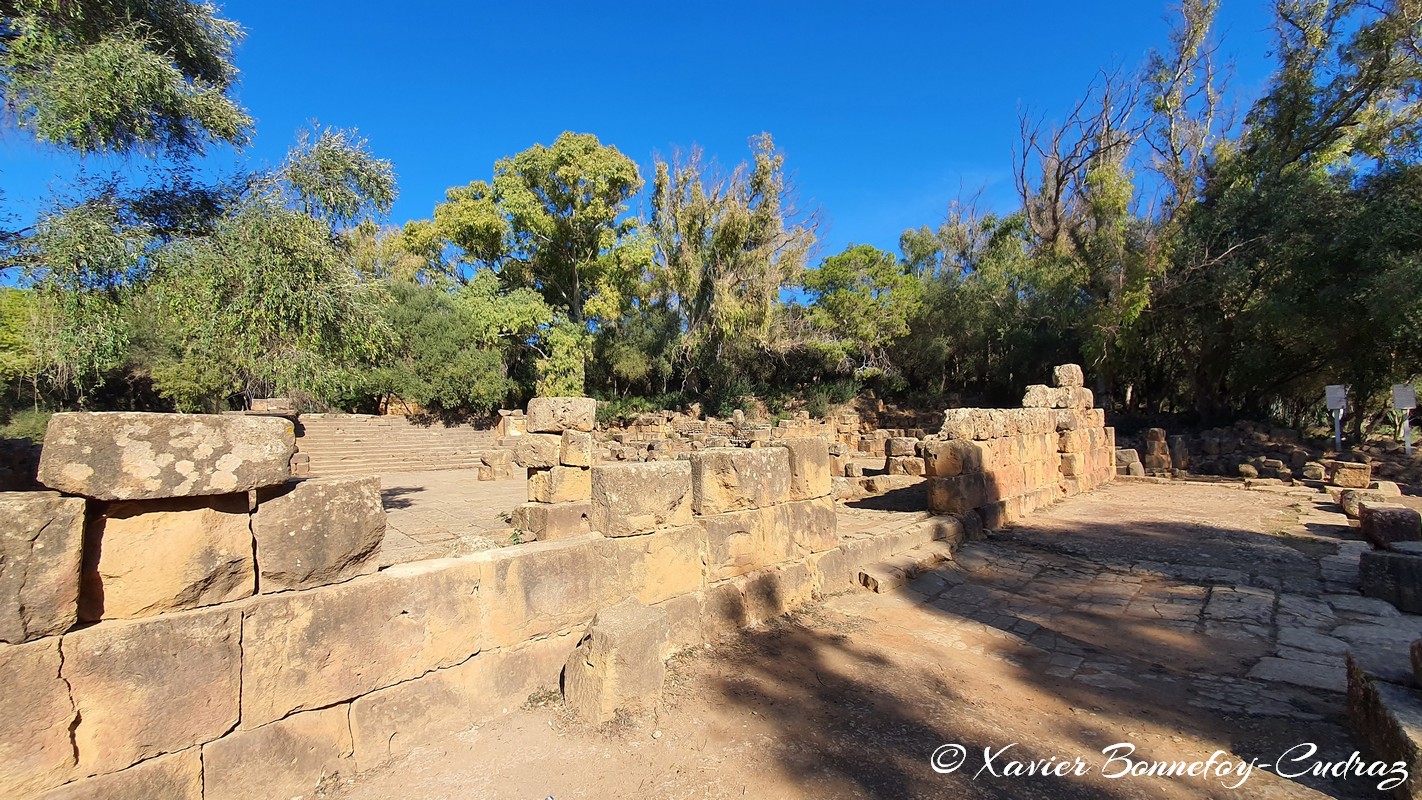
(114, 75)
(862, 300)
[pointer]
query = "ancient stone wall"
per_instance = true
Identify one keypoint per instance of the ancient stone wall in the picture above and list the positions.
(180, 620)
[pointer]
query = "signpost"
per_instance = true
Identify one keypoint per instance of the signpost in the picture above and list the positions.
(1404, 399)
(1337, 399)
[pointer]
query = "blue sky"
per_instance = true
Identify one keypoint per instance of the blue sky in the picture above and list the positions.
(884, 111)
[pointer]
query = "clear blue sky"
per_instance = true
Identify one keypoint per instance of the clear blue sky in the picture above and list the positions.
(883, 110)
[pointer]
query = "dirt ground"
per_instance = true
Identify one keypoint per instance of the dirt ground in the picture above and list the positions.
(1183, 619)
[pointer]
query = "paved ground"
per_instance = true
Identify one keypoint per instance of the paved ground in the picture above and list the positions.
(445, 513)
(1182, 619)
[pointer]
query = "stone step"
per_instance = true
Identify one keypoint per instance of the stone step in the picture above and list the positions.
(897, 570)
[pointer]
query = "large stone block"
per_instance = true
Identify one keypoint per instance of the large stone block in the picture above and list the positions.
(540, 588)
(635, 497)
(1349, 474)
(1394, 577)
(809, 468)
(152, 686)
(41, 544)
(35, 715)
(305, 650)
(737, 542)
(577, 449)
(618, 665)
(1068, 376)
(318, 532)
(656, 566)
(560, 485)
(1385, 523)
(956, 495)
(150, 556)
(558, 414)
(809, 526)
(288, 758)
(900, 446)
(177, 776)
(732, 478)
(947, 459)
(125, 455)
(1388, 720)
(550, 521)
(436, 707)
(538, 450)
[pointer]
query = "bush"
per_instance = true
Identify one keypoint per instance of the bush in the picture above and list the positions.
(27, 424)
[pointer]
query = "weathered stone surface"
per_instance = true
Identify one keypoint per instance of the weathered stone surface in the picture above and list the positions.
(577, 449)
(35, 715)
(41, 544)
(731, 478)
(737, 543)
(1385, 523)
(1394, 577)
(900, 446)
(177, 776)
(1349, 474)
(810, 526)
(318, 532)
(560, 485)
(684, 622)
(558, 414)
(1068, 376)
(538, 450)
(1388, 719)
(551, 521)
(956, 495)
(167, 555)
(654, 567)
(436, 707)
(305, 650)
(903, 465)
(632, 498)
(1349, 500)
(288, 758)
(809, 468)
(126, 455)
(540, 588)
(618, 665)
(497, 457)
(951, 458)
(152, 686)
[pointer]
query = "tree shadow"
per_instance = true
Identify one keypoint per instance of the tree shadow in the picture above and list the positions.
(398, 496)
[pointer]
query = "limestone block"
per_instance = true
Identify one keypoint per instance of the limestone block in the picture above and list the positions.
(167, 555)
(558, 414)
(958, 424)
(1350, 499)
(810, 468)
(951, 458)
(1385, 523)
(288, 758)
(1350, 474)
(727, 479)
(538, 450)
(146, 687)
(35, 715)
(903, 465)
(1072, 464)
(433, 709)
(305, 650)
(1040, 396)
(637, 497)
(540, 588)
(653, 567)
(899, 446)
(1387, 718)
(560, 485)
(737, 542)
(126, 455)
(956, 495)
(497, 457)
(1394, 577)
(1068, 376)
(618, 665)
(811, 526)
(177, 776)
(685, 615)
(551, 521)
(577, 449)
(318, 532)
(1386, 488)
(41, 544)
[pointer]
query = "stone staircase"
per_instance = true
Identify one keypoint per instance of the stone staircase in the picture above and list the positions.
(360, 444)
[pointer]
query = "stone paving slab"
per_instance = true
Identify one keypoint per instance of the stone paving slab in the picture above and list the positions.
(443, 513)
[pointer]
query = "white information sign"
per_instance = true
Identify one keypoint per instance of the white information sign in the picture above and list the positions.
(1337, 397)
(1404, 397)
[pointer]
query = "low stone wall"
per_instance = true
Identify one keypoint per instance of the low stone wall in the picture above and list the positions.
(180, 620)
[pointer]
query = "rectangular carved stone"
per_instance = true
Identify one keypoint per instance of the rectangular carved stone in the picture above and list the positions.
(737, 543)
(35, 715)
(167, 555)
(551, 521)
(304, 650)
(152, 686)
(1394, 577)
(558, 414)
(1384, 523)
(618, 664)
(436, 707)
(538, 450)
(654, 567)
(1068, 376)
(128, 455)
(956, 495)
(560, 485)
(177, 776)
(318, 532)
(288, 758)
(539, 588)
(951, 458)
(810, 526)
(632, 498)
(41, 542)
(731, 478)
(577, 449)
(809, 468)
